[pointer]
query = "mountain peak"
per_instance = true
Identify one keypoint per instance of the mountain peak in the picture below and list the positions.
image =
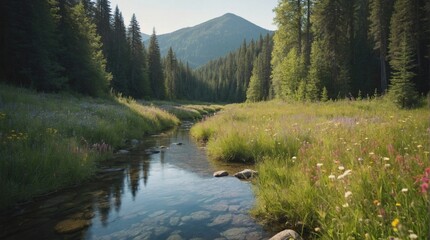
(210, 40)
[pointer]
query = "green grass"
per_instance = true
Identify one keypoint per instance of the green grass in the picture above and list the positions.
(186, 110)
(49, 141)
(336, 170)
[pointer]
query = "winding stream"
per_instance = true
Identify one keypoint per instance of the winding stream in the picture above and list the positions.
(168, 195)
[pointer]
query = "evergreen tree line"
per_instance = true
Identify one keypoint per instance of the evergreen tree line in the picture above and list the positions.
(349, 48)
(56, 45)
(228, 79)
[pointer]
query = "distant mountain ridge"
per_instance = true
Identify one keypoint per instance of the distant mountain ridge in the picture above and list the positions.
(209, 40)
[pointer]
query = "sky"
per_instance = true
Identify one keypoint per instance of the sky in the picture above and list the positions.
(170, 15)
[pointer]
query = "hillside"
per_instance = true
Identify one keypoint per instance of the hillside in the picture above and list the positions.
(209, 40)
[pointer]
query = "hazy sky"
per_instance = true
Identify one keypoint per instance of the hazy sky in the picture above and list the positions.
(170, 15)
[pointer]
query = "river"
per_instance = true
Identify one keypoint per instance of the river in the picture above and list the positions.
(166, 195)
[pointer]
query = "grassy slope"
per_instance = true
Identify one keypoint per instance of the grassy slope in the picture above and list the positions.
(344, 170)
(48, 141)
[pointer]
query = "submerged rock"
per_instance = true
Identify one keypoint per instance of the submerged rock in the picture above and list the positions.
(122, 151)
(178, 144)
(151, 151)
(71, 226)
(287, 235)
(221, 173)
(246, 174)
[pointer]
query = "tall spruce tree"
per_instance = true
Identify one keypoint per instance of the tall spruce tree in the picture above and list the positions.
(402, 56)
(86, 66)
(31, 61)
(120, 54)
(155, 68)
(170, 75)
(138, 83)
(103, 19)
(380, 14)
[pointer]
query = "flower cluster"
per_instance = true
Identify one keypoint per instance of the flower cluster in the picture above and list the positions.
(425, 181)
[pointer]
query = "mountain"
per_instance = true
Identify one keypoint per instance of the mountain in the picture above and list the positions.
(209, 40)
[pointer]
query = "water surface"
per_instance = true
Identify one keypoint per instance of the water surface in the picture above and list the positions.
(167, 195)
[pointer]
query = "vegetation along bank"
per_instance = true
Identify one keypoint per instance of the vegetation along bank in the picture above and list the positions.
(49, 141)
(333, 170)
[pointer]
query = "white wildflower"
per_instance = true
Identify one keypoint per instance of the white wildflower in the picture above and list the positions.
(413, 236)
(348, 194)
(331, 177)
(319, 165)
(405, 190)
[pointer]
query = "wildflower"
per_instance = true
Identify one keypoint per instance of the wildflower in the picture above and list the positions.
(360, 159)
(387, 165)
(413, 236)
(371, 153)
(345, 205)
(376, 202)
(319, 165)
(395, 223)
(424, 187)
(420, 146)
(341, 168)
(404, 190)
(398, 205)
(348, 194)
(331, 177)
(346, 173)
(386, 159)
(294, 158)
(317, 229)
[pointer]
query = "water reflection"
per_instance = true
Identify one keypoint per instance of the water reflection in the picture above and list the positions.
(169, 194)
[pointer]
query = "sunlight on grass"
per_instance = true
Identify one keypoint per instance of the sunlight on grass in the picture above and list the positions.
(336, 170)
(48, 141)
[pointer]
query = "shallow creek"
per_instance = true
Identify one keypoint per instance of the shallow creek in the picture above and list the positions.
(166, 195)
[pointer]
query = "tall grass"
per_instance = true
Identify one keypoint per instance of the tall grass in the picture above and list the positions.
(337, 170)
(48, 141)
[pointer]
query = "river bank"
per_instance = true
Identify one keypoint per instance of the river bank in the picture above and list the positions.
(50, 141)
(335, 170)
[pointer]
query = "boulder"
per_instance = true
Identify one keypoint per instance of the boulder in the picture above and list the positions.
(122, 151)
(246, 174)
(287, 235)
(134, 142)
(221, 173)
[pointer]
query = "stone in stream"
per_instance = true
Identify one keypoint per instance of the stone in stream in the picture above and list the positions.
(246, 174)
(122, 151)
(178, 144)
(287, 235)
(236, 233)
(134, 142)
(151, 151)
(220, 220)
(221, 173)
(71, 226)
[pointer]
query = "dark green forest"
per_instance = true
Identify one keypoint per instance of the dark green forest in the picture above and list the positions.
(323, 49)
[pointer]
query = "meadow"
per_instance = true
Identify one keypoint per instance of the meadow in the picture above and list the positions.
(51, 141)
(334, 170)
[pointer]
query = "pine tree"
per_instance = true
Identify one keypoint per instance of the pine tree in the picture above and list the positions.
(138, 83)
(31, 61)
(86, 66)
(255, 92)
(380, 14)
(120, 56)
(155, 68)
(402, 56)
(103, 20)
(170, 74)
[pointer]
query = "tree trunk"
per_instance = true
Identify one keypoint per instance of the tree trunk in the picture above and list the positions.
(299, 27)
